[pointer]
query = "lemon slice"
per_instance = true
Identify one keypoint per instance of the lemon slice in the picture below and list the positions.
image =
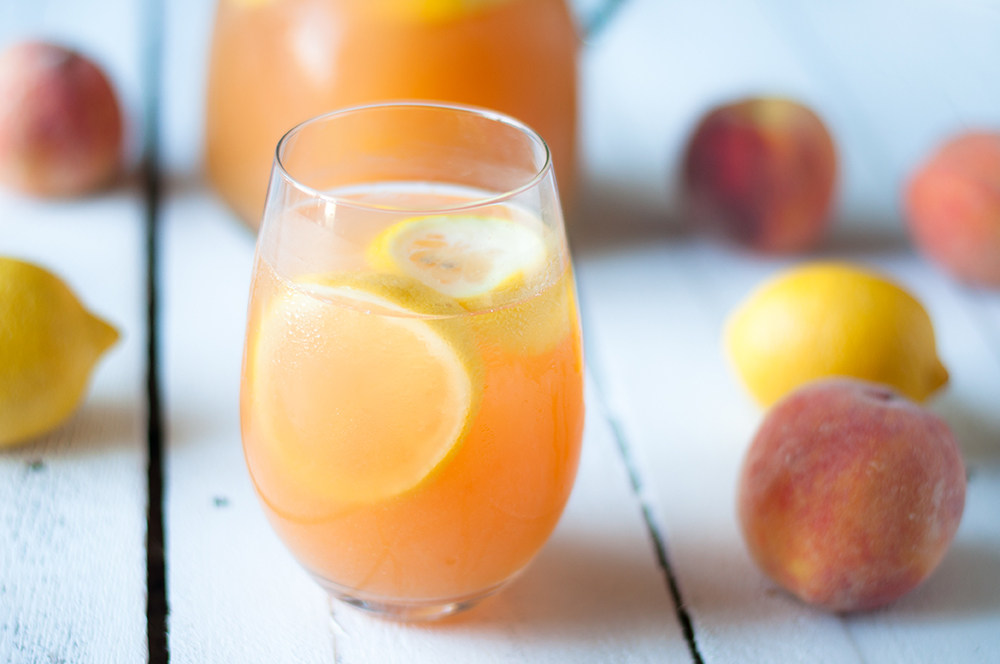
(464, 257)
(357, 395)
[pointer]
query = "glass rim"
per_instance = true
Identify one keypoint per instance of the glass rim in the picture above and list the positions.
(485, 113)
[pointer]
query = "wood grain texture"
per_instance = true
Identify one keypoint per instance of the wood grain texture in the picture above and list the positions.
(72, 502)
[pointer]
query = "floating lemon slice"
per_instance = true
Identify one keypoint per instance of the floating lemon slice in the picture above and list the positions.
(353, 406)
(464, 257)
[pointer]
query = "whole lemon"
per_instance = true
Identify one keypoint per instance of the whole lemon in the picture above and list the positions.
(825, 319)
(48, 346)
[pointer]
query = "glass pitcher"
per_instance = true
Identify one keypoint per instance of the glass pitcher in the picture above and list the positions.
(275, 63)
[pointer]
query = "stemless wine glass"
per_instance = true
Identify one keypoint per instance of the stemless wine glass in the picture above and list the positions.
(412, 392)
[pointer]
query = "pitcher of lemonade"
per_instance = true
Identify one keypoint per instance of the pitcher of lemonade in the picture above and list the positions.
(275, 63)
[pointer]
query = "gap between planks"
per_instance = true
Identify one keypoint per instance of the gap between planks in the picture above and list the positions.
(157, 607)
(156, 589)
(635, 480)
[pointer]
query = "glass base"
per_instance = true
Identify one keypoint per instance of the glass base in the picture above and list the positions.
(406, 610)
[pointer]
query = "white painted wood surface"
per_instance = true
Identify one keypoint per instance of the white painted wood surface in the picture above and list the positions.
(655, 299)
(891, 78)
(72, 502)
(236, 595)
(654, 303)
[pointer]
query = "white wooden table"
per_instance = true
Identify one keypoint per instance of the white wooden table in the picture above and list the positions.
(646, 564)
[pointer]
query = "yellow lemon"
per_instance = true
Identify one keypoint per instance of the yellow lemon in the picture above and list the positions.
(362, 387)
(825, 319)
(479, 261)
(48, 346)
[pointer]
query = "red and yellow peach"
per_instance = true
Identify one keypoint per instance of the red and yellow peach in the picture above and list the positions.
(850, 494)
(761, 173)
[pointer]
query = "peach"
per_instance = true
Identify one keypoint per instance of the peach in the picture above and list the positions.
(761, 172)
(952, 208)
(850, 494)
(60, 126)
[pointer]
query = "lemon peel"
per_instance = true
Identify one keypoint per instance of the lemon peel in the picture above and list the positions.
(825, 319)
(49, 344)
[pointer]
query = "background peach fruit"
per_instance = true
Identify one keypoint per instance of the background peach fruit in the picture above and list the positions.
(850, 494)
(953, 208)
(60, 125)
(761, 172)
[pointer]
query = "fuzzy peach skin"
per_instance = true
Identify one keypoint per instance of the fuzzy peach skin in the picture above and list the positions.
(761, 172)
(953, 208)
(60, 125)
(850, 494)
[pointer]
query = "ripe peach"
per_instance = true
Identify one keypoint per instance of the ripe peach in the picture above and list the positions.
(60, 126)
(953, 208)
(850, 494)
(761, 172)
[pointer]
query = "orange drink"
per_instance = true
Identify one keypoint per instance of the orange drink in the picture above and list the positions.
(412, 392)
(275, 63)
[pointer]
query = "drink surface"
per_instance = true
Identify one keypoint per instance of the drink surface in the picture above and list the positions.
(413, 431)
(276, 63)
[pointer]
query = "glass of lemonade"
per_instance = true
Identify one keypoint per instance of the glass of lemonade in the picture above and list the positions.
(412, 391)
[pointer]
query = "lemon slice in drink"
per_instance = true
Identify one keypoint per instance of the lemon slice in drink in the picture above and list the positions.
(357, 394)
(465, 257)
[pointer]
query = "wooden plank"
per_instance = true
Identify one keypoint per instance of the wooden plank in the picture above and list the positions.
(72, 502)
(913, 75)
(594, 593)
(689, 421)
(907, 75)
(955, 615)
(654, 325)
(889, 80)
(648, 77)
(234, 594)
(237, 596)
